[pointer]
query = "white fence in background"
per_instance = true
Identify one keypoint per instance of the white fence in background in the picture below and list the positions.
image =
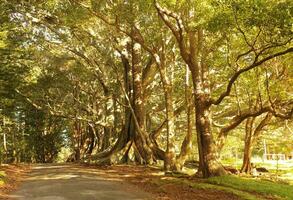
(277, 156)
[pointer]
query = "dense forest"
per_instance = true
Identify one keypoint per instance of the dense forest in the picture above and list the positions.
(151, 82)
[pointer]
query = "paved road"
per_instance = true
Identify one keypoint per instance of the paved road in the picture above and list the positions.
(70, 182)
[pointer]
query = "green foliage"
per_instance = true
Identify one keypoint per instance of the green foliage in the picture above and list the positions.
(61, 55)
(44, 136)
(64, 154)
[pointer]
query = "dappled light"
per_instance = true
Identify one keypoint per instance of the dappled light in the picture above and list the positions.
(146, 99)
(74, 182)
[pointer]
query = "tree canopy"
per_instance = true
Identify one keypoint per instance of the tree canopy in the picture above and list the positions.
(145, 81)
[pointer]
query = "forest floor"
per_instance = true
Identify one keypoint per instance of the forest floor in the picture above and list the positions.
(185, 187)
(137, 182)
(10, 178)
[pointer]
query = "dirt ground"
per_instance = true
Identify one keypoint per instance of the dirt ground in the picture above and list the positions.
(15, 174)
(74, 182)
(149, 179)
(139, 180)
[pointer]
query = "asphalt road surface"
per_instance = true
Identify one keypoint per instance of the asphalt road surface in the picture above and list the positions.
(72, 182)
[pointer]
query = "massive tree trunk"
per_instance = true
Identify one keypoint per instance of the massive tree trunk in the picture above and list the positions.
(133, 137)
(208, 157)
(141, 139)
(209, 164)
(192, 49)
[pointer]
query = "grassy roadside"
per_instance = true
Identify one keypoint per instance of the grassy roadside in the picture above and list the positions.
(2, 177)
(207, 186)
(244, 188)
(278, 170)
(182, 186)
(10, 177)
(262, 187)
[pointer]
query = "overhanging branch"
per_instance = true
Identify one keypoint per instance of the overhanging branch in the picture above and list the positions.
(241, 71)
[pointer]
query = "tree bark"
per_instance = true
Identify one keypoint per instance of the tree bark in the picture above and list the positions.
(141, 139)
(193, 53)
(187, 142)
(246, 166)
(209, 164)
(76, 139)
(170, 156)
(133, 135)
(251, 136)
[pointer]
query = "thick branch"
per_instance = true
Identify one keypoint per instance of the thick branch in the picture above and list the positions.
(56, 113)
(178, 34)
(239, 119)
(241, 71)
(261, 125)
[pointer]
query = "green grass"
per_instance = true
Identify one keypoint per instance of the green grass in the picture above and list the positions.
(2, 177)
(242, 194)
(207, 186)
(284, 171)
(245, 188)
(256, 186)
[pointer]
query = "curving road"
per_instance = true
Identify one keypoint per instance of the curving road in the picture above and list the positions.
(73, 182)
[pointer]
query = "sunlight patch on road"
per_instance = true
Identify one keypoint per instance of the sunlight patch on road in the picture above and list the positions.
(160, 173)
(51, 167)
(55, 177)
(168, 178)
(110, 179)
(72, 176)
